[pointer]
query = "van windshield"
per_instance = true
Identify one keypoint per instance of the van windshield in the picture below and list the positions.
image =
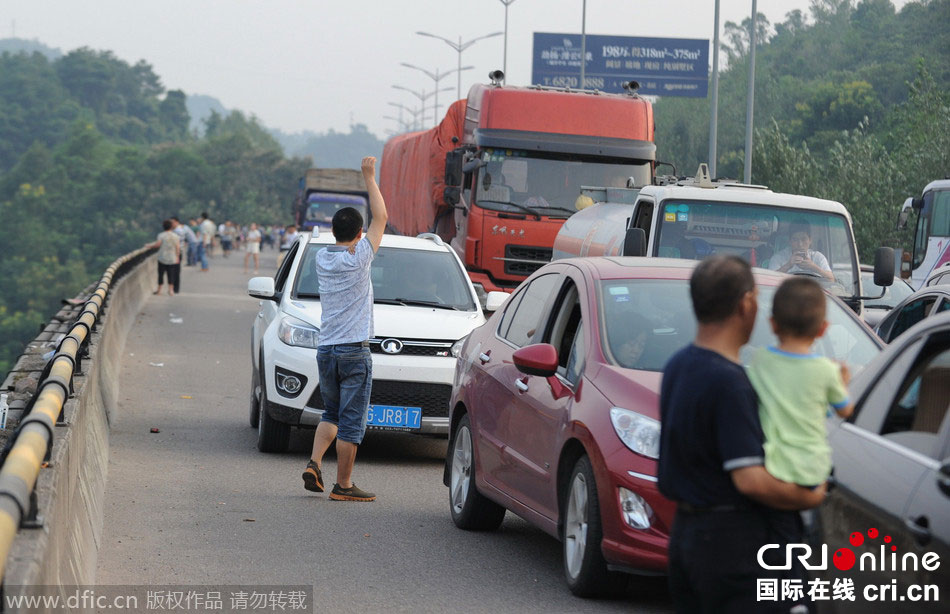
(813, 243)
(517, 181)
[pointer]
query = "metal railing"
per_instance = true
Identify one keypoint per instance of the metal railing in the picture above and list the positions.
(29, 447)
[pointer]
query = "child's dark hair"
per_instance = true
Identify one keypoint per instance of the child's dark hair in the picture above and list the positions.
(798, 307)
(347, 224)
(167, 224)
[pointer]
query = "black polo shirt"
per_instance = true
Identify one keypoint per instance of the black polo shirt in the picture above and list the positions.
(709, 426)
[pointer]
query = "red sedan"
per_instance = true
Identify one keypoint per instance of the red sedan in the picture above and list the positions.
(555, 407)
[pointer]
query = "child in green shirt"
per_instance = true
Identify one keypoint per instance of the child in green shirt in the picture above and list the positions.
(796, 386)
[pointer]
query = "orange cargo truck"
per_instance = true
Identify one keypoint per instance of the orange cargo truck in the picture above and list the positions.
(504, 168)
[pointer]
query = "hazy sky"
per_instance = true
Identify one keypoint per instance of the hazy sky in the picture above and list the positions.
(320, 64)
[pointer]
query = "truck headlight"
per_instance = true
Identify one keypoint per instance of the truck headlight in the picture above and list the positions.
(637, 432)
(457, 347)
(298, 333)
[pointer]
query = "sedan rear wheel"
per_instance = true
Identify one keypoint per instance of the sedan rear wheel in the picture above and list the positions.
(584, 564)
(470, 509)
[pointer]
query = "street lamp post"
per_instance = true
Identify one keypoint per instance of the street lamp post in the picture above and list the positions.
(436, 77)
(422, 96)
(504, 64)
(459, 48)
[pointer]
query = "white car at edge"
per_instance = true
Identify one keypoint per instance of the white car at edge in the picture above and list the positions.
(424, 306)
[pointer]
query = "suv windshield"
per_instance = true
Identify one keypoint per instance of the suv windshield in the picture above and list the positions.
(768, 237)
(402, 276)
(517, 181)
(647, 321)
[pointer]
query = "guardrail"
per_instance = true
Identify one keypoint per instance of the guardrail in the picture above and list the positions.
(29, 446)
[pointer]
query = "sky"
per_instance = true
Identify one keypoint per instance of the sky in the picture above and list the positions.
(319, 64)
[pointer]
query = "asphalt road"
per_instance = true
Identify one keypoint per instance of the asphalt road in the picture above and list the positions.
(197, 504)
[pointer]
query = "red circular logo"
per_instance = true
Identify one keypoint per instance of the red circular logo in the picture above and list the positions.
(843, 559)
(856, 539)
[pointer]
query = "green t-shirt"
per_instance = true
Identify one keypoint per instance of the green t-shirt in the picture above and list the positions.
(794, 393)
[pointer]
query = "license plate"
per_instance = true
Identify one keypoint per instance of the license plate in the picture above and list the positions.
(391, 416)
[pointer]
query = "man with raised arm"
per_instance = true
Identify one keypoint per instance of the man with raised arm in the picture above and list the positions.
(712, 462)
(346, 325)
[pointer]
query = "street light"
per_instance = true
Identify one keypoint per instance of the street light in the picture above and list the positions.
(422, 96)
(460, 47)
(414, 112)
(504, 67)
(436, 76)
(403, 126)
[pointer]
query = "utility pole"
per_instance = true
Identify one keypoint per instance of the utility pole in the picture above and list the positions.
(504, 63)
(583, 41)
(714, 111)
(750, 102)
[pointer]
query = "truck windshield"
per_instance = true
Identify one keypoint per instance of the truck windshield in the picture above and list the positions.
(549, 185)
(933, 224)
(813, 243)
(321, 207)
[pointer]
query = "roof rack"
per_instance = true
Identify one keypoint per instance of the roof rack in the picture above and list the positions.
(703, 180)
(432, 237)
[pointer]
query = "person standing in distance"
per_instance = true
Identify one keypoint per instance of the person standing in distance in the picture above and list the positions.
(346, 325)
(712, 462)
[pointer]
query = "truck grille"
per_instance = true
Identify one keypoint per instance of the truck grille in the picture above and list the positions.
(432, 398)
(516, 255)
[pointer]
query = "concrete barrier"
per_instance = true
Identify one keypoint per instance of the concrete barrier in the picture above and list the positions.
(62, 547)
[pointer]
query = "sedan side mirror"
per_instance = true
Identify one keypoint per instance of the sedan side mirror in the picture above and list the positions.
(943, 478)
(262, 287)
(539, 359)
(495, 300)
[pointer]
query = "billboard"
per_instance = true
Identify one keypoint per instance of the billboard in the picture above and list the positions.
(662, 66)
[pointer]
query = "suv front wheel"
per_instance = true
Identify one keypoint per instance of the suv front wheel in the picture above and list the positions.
(272, 436)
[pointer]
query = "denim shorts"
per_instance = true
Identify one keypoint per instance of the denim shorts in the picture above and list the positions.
(346, 377)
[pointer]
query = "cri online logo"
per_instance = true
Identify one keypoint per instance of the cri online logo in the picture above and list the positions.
(845, 559)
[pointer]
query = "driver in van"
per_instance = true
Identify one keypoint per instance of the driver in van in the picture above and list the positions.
(798, 257)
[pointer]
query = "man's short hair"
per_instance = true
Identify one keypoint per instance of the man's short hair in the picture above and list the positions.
(347, 224)
(798, 307)
(717, 285)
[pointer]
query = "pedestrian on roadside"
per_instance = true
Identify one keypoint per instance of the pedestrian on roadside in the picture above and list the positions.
(189, 241)
(346, 325)
(193, 247)
(712, 462)
(205, 237)
(169, 257)
(227, 232)
(286, 242)
(252, 247)
(208, 230)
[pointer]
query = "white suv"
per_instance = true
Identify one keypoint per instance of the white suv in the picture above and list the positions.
(424, 306)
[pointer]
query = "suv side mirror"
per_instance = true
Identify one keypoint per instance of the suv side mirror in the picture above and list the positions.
(262, 287)
(635, 242)
(539, 359)
(943, 478)
(884, 266)
(495, 300)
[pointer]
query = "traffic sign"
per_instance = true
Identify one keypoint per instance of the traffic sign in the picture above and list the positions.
(662, 66)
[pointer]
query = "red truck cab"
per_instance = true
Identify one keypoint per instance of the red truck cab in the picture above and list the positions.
(504, 169)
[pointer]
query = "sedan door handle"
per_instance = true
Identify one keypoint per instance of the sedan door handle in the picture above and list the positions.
(483, 357)
(521, 385)
(920, 527)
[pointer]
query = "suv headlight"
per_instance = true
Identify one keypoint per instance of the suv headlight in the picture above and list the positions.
(298, 333)
(457, 347)
(637, 432)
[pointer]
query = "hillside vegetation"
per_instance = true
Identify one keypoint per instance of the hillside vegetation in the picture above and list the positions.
(851, 104)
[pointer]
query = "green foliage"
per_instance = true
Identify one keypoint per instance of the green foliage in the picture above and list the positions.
(94, 154)
(851, 104)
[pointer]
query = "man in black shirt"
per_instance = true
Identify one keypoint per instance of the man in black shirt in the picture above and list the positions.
(711, 459)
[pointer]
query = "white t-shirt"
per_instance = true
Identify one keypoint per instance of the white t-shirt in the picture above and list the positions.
(782, 256)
